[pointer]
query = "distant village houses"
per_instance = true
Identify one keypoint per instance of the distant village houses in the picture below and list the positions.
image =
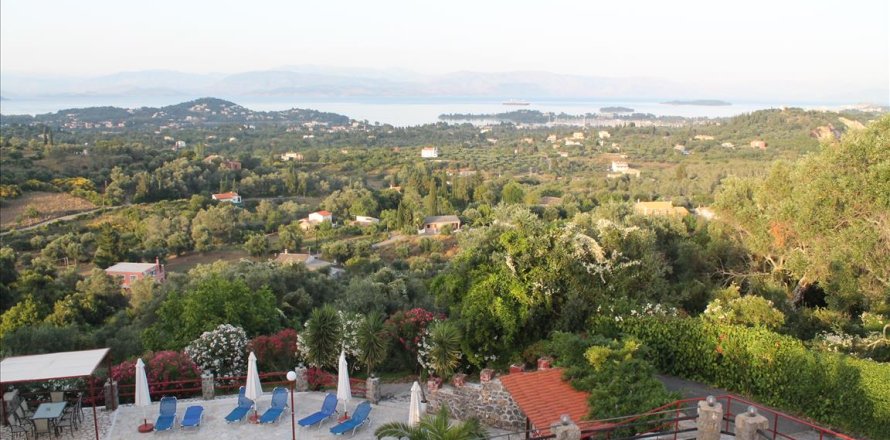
(759, 144)
(315, 219)
(429, 152)
(290, 155)
(603, 134)
(620, 168)
(230, 197)
(132, 272)
(309, 261)
(233, 165)
(666, 209)
(705, 212)
(363, 220)
(704, 137)
(434, 224)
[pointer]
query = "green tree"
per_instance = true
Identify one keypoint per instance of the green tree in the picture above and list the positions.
(184, 315)
(820, 220)
(97, 298)
(373, 341)
(434, 427)
(431, 202)
(8, 276)
(257, 244)
(26, 312)
(109, 246)
(512, 193)
(729, 307)
(290, 236)
(321, 337)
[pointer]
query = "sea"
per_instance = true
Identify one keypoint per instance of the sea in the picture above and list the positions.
(400, 112)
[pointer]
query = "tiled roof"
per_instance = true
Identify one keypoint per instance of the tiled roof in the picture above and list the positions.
(441, 219)
(323, 213)
(225, 195)
(131, 268)
(544, 397)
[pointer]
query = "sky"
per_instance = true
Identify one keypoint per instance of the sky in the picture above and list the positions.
(821, 43)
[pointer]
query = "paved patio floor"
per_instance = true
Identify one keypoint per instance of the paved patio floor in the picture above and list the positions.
(214, 427)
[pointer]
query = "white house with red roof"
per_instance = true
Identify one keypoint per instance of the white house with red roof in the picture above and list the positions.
(231, 197)
(320, 216)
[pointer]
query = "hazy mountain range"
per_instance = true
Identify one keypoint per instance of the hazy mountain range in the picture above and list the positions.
(319, 82)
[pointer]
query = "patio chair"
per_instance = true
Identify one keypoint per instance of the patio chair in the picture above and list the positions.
(279, 403)
(192, 417)
(167, 416)
(359, 418)
(43, 426)
(66, 421)
(20, 426)
(244, 406)
(328, 410)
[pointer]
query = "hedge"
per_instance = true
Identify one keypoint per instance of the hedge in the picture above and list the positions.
(833, 389)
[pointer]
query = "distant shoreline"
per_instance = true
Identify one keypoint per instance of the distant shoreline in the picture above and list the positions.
(618, 109)
(707, 102)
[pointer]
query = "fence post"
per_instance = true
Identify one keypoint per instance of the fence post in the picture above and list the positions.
(373, 390)
(302, 382)
(747, 424)
(208, 390)
(112, 399)
(710, 413)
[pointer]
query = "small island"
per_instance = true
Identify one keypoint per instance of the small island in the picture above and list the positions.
(708, 102)
(616, 110)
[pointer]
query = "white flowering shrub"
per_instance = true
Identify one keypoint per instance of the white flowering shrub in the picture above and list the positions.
(222, 351)
(423, 351)
(350, 322)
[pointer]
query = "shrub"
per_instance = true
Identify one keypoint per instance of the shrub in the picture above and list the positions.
(160, 367)
(406, 328)
(778, 370)
(221, 351)
(277, 352)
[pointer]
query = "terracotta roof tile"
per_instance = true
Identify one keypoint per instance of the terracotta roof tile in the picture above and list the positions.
(543, 396)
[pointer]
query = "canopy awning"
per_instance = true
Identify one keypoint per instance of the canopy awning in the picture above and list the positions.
(40, 367)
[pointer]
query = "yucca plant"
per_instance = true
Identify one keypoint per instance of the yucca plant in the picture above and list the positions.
(321, 337)
(373, 341)
(434, 427)
(444, 348)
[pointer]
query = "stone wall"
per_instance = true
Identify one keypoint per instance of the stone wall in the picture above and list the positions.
(489, 402)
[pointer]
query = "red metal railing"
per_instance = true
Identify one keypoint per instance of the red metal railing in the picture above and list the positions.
(318, 379)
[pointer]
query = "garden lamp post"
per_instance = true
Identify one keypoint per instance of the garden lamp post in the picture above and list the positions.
(292, 377)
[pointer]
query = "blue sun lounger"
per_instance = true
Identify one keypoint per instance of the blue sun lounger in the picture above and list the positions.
(279, 403)
(167, 416)
(192, 417)
(244, 406)
(328, 410)
(359, 418)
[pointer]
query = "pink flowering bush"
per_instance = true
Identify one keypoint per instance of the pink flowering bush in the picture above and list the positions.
(277, 352)
(160, 368)
(407, 328)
